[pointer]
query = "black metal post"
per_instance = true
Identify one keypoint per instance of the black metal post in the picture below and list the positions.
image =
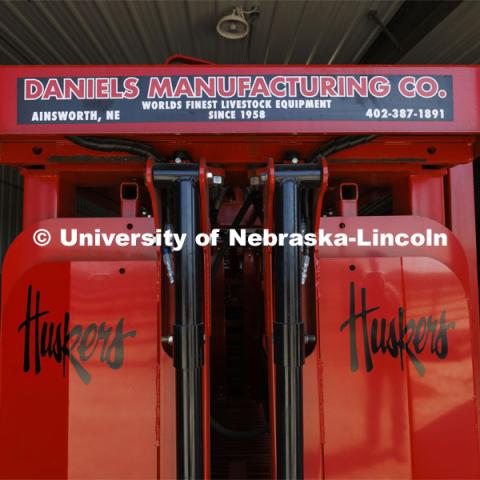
(188, 332)
(289, 341)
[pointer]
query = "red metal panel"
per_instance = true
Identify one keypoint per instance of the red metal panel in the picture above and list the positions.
(387, 153)
(122, 423)
(452, 255)
(465, 86)
(71, 428)
(17, 261)
(415, 421)
(45, 196)
(462, 219)
(366, 414)
(427, 197)
(111, 422)
(404, 422)
(166, 425)
(34, 408)
(313, 414)
(443, 420)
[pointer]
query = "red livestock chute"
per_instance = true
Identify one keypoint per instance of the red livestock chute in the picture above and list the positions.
(241, 272)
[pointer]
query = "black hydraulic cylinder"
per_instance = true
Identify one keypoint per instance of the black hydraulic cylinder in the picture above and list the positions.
(289, 335)
(188, 330)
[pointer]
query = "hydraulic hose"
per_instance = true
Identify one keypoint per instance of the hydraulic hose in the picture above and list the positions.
(105, 144)
(236, 223)
(338, 144)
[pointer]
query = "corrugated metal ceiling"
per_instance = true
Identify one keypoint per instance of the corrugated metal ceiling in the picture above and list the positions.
(290, 32)
(455, 40)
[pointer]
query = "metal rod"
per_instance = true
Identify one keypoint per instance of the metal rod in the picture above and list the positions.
(288, 327)
(188, 336)
(289, 345)
(188, 330)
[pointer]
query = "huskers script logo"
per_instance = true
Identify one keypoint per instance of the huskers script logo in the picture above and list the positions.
(395, 336)
(57, 341)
